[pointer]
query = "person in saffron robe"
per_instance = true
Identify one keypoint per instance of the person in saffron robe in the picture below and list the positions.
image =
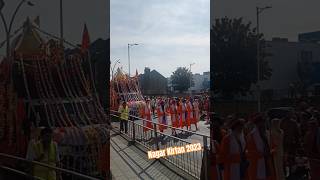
(161, 112)
(196, 116)
(189, 110)
(167, 109)
(232, 152)
(181, 113)
(259, 152)
(146, 115)
(174, 117)
(276, 135)
(312, 148)
(291, 139)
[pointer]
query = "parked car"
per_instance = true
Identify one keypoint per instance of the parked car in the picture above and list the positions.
(279, 112)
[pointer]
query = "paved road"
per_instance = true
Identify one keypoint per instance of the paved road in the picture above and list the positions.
(202, 129)
(191, 162)
(129, 162)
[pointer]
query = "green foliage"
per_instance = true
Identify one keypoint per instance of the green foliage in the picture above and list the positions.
(234, 57)
(181, 79)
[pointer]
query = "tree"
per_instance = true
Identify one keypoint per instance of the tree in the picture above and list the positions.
(233, 57)
(181, 79)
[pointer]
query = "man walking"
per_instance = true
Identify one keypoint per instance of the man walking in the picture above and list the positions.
(124, 115)
(44, 151)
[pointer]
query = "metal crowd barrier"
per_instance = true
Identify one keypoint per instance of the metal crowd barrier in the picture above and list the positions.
(153, 139)
(57, 169)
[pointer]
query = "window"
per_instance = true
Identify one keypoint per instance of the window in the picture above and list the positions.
(306, 56)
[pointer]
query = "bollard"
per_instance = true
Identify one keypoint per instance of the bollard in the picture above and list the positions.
(133, 139)
(133, 132)
(155, 135)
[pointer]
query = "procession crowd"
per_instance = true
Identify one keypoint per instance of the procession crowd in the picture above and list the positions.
(267, 146)
(169, 111)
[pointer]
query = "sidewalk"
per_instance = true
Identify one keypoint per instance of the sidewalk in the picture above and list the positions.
(129, 162)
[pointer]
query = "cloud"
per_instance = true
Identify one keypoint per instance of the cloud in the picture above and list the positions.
(170, 32)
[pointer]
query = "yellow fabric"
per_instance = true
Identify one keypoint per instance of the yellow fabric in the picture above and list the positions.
(124, 112)
(50, 159)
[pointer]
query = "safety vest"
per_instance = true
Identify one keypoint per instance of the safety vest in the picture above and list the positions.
(124, 113)
(50, 159)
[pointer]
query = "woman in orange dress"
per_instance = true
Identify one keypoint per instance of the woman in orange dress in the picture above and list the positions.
(259, 152)
(146, 115)
(196, 115)
(232, 152)
(174, 116)
(189, 110)
(181, 113)
(161, 112)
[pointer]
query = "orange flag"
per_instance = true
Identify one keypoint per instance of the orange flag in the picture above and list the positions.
(85, 39)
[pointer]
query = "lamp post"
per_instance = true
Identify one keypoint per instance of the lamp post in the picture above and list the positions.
(191, 75)
(61, 23)
(117, 62)
(129, 45)
(259, 11)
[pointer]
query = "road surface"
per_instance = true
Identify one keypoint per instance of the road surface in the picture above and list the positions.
(129, 162)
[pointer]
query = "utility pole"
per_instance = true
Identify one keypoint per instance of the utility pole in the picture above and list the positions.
(259, 11)
(258, 64)
(129, 45)
(61, 23)
(129, 59)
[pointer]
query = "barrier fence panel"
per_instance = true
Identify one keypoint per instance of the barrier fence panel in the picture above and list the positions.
(75, 175)
(195, 148)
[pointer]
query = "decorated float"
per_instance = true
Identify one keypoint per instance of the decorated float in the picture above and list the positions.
(126, 88)
(44, 85)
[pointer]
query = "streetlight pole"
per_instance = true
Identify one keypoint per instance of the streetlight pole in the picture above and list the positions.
(129, 45)
(61, 23)
(259, 11)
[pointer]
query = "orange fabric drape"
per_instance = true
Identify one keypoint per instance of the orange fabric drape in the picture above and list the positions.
(226, 158)
(160, 114)
(253, 156)
(189, 114)
(181, 114)
(146, 114)
(174, 117)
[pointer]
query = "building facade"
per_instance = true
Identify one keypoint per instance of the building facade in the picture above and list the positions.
(201, 82)
(292, 63)
(152, 83)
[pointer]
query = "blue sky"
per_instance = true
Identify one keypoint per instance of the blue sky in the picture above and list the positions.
(170, 34)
